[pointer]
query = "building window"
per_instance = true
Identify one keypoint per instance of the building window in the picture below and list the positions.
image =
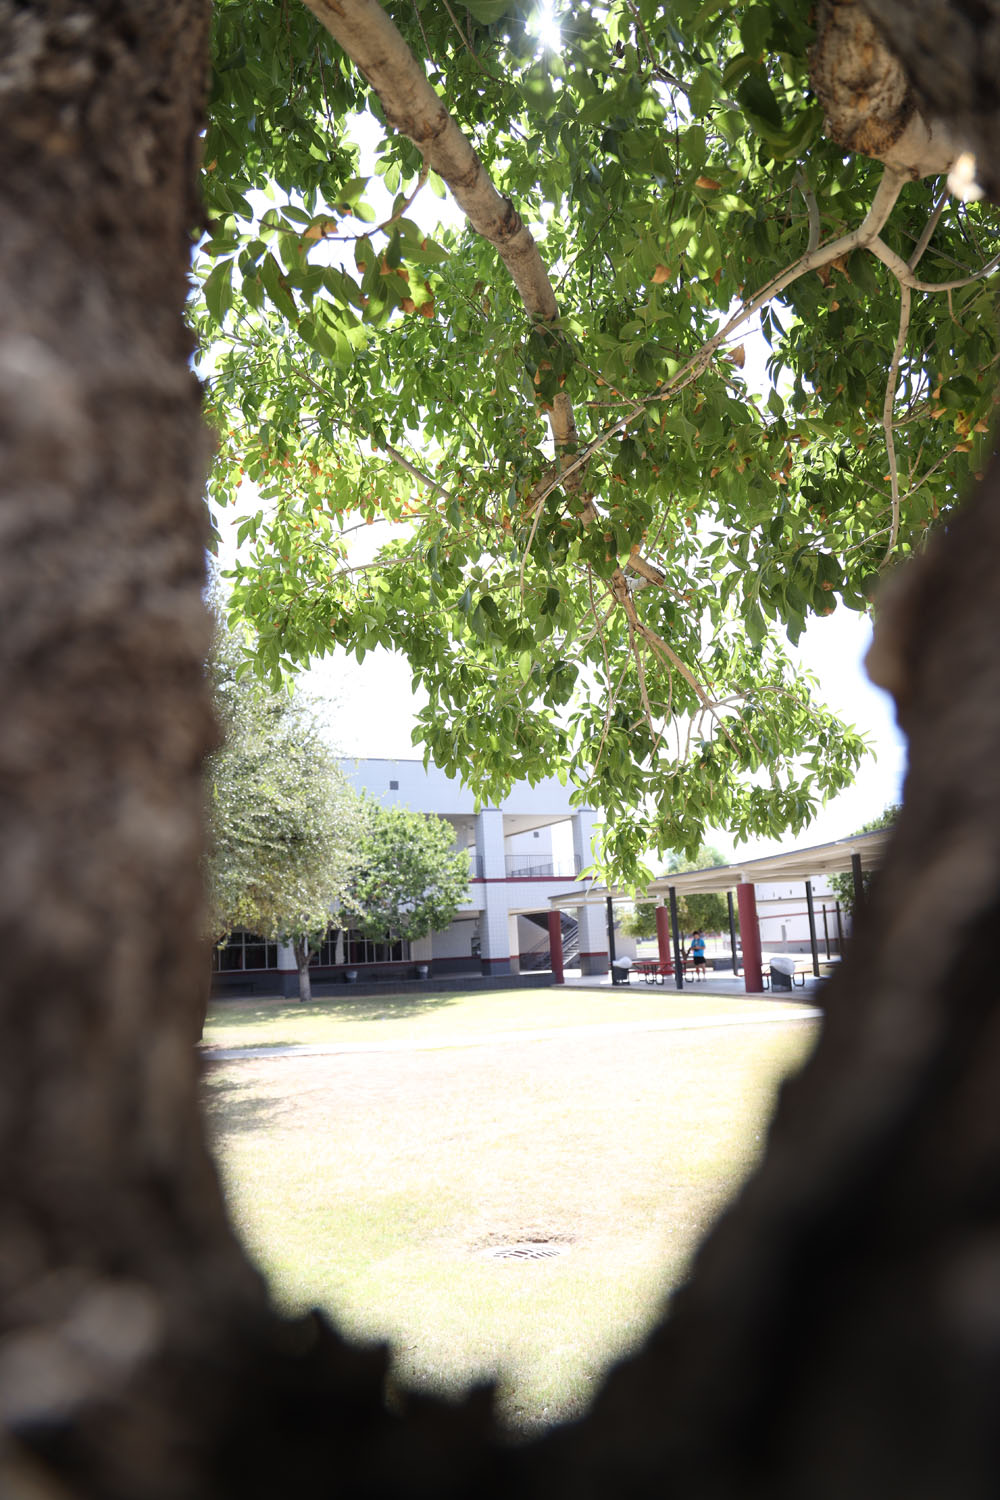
(362, 950)
(394, 786)
(357, 949)
(244, 950)
(326, 953)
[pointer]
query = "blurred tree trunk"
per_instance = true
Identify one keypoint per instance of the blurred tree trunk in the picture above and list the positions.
(840, 1333)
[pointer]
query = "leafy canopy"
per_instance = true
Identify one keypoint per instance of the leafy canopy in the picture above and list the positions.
(283, 822)
(409, 879)
(592, 529)
(704, 910)
(843, 885)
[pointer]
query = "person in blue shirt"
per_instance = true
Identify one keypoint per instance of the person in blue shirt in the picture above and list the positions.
(696, 953)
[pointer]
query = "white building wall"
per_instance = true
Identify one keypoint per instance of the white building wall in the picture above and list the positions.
(490, 835)
(782, 915)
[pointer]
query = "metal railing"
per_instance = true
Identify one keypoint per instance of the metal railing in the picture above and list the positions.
(538, 866)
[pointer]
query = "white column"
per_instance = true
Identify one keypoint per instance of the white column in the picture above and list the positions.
(494, 930)
(584, 820)
(593, 939)
(513, 943)
(489, 843)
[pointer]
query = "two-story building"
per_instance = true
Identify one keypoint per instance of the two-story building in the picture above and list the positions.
(521, 853)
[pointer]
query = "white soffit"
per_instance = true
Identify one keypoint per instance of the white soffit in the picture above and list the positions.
(796, 864)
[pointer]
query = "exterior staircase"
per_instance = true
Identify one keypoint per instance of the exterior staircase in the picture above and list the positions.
(541, 957)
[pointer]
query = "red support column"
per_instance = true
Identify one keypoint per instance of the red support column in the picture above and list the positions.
(555, 946)
(664, 940)
(746, 900)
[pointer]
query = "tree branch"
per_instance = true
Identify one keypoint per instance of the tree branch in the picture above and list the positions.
(411, 106)
(867, 231)
(905, 301)
(899, 268)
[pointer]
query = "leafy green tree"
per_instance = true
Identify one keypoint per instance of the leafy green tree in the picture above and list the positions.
(852, 1276)
(706, 910)
(597, 528)
(843, 885)
(283, 821)
(408, 878)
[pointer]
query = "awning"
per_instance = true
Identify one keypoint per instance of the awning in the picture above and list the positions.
(796, 864)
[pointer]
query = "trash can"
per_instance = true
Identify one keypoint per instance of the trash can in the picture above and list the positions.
(782, 969)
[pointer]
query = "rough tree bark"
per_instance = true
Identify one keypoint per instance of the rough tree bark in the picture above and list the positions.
(840, 1334)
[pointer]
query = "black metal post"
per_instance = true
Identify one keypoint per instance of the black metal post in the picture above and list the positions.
(812, 927)
(826, 933)
(732, 932)
(612, 955)
(678, 959)
(859, 884)
(840, 933)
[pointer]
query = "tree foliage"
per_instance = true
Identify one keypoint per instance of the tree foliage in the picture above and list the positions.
(706, 910)
(843, 885)
(284, 823)
(408, 878)
(596, 527)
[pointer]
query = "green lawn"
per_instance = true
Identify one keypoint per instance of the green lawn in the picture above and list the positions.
(433, 1017)
(378, 1184)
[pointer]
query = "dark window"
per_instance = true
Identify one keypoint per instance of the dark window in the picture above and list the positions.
(244, 950)
(358, 949)
(394, 786)
(363, 950)
(326, 953)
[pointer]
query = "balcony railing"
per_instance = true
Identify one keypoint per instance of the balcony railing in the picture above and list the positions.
(538, 867)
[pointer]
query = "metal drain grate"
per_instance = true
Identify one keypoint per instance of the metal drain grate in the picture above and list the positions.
(527, 1250)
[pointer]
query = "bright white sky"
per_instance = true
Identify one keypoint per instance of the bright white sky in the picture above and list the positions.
(372, 708)
(372, 711)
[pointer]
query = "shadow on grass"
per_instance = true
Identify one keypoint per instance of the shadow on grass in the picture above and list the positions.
(229, 1105)
(350, 1008)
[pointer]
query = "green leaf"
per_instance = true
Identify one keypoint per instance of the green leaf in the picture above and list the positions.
(755, 28)
(488, 12)
(757, 98)
(218, 290)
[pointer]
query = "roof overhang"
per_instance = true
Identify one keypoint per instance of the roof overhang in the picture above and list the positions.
(796, 864)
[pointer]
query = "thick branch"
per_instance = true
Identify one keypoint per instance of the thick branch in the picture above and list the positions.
(905, 301)
(411, 106)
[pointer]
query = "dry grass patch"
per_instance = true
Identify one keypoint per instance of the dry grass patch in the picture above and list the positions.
(376, 1184)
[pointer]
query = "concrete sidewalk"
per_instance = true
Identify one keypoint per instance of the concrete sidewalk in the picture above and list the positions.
(717, 983)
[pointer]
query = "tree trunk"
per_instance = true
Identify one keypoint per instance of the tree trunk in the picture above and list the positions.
(302, 955)
(840, 1333)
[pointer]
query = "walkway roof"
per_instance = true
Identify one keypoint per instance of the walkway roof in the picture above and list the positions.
(795, 864)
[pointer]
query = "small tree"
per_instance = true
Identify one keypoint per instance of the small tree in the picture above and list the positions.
(843, 885)
(408, 879)
(704, 909)
(284, 822)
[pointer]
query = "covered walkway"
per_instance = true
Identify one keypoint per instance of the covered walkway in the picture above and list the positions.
(851, 856)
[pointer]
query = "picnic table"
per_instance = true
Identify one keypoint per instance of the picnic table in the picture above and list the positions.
(653, 970)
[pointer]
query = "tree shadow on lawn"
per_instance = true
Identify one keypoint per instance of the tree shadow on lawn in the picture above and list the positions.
(351, 1008)
(231, 1103)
